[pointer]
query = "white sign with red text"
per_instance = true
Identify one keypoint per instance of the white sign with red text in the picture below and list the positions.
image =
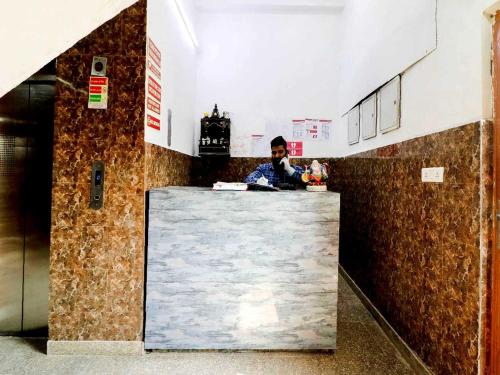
(98, 93)
(311, 130)
(153, 87)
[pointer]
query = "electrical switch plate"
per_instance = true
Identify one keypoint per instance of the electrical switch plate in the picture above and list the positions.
(433, 174)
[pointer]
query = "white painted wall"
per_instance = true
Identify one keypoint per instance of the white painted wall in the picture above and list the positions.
(262, 66)
(448, 88)
(382, 38)
(32, 33)
(178, 68)
(269, 65)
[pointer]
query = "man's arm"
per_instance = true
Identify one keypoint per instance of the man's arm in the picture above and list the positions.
(294, 172)
(297, 174)
(254, 176)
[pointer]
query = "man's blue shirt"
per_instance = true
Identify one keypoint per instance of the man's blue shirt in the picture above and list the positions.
(273, 176)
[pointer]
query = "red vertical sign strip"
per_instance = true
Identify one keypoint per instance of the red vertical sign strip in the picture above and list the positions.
(154, 93)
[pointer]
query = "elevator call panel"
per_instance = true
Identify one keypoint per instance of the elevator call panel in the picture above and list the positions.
(97, 185)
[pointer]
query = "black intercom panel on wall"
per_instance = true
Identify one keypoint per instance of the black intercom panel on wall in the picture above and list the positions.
(97, 185)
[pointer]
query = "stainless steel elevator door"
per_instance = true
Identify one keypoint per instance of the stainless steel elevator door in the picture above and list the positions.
(26, 133)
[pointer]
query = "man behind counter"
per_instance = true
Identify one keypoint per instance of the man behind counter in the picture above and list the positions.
(279, 170)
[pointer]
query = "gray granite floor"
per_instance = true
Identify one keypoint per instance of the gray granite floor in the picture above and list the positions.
(362, 349)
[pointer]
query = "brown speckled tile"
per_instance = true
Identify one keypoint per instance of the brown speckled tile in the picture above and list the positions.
(134, 38)
(459, 305)
(97, 256)
(414, 248)
(461, 213)
(167, 168)
(135, 13)
(433, 264)
(130, 69)
(74, 68)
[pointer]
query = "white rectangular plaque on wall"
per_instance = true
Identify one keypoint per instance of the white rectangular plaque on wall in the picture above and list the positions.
(389, 105)
(369, 117)
(353, 125)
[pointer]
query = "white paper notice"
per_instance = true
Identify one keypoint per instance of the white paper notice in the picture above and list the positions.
(240, 145)
(303, 132)
(317, 130)
(299, 129)
(326, 126)
(260, 146)
(312, 129)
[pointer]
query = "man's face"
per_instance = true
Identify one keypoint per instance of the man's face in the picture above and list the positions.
(277, 153)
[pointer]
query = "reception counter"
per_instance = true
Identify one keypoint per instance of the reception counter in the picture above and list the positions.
(240, 270)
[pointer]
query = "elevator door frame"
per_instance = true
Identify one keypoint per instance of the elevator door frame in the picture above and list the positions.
(29, 118)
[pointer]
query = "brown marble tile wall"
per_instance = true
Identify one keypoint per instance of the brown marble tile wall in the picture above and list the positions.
(417, 249)
(97, 257)
(167, 167)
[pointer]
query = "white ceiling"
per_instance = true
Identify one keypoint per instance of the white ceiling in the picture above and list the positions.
(270, 6)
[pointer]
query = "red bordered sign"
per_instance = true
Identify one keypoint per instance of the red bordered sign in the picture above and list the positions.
(295, 148)
(154, 53)
(153, 122)
(154, 88)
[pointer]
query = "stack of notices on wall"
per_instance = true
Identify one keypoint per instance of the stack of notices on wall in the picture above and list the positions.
(230, 186)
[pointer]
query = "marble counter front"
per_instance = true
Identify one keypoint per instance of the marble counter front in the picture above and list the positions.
(241, 270)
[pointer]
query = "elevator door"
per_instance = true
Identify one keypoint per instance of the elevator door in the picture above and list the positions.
(26, 133)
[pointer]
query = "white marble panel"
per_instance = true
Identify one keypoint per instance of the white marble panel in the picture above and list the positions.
(241, 316)
(247, 201)
(243, 217)
(249, 233)
(241, 270)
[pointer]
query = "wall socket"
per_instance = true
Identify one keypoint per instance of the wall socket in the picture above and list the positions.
(433, 174)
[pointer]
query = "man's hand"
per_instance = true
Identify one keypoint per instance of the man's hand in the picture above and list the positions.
(287, 167)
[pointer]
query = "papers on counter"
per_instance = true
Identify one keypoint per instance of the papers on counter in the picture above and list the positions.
(238, 186)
